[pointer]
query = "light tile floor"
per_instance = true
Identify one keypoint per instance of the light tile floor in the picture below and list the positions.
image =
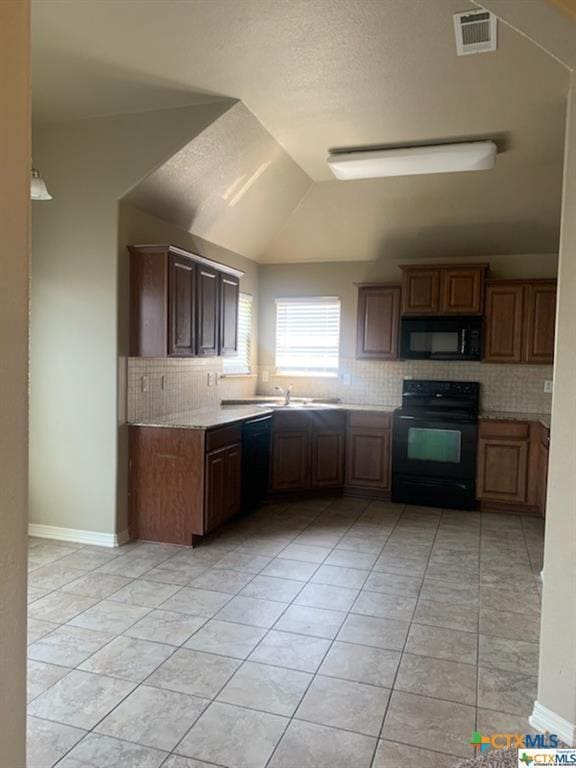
(311, 634)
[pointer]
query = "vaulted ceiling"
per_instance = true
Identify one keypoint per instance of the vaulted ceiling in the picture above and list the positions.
(319, 74)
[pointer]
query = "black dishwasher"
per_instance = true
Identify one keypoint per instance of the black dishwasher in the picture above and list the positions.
(256, 435)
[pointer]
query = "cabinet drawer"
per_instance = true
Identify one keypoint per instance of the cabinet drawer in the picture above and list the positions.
(507, 430)
(370, 419)
(218, 438)
(288, 420)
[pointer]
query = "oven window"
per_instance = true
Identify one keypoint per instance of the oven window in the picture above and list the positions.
(434, 342)
(434, 444)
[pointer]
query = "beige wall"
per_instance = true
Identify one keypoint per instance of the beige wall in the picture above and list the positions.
(88, 165)
(339, 278)
(14, 260)
(557, 674)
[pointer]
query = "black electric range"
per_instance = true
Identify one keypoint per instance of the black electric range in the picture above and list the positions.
(434, 444)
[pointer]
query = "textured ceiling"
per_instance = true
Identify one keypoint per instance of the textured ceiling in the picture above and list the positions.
(320, 74)
(232, 185)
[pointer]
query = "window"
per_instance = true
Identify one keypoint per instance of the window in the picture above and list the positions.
(240, 362)
(307, 335)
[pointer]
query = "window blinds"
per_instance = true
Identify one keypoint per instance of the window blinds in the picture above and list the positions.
(307, 335)
(240, 363)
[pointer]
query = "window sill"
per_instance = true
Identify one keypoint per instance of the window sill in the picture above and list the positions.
(238, 375)
(307, 374)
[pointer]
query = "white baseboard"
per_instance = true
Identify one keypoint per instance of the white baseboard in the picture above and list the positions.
(543, 719)
(78, 536)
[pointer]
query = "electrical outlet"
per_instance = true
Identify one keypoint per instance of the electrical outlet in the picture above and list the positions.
(209, 378)
(144, 383)
(548, 386)
(265, 376)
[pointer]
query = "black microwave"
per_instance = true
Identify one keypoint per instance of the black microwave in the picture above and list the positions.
(441, 338)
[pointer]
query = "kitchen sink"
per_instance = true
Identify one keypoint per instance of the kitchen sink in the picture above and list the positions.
(292, 406)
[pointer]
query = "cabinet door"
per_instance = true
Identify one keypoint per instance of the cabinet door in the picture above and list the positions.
(421, 291)
(217, 488)
(368, 458)
(181, 295)
(462, 291)
(540, 321)
(327, 459)
(223, 485)
(542, 476)
(503, 470)
(229, 293)
(378, 320)
(290, 461)
(234, 477)
(504, 323)
(207, 303)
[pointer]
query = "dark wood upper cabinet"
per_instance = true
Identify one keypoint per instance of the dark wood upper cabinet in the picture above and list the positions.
(207, 312)
(177, 307)
(503, 323)
(540, 321)
(443, 289)
(378, 322)
(420, 291)
(463, 291)
(229, 295)
(181, 322)
(520, 321)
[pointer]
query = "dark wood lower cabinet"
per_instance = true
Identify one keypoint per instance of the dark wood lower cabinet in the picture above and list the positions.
(543, 455)
(308, 450)
(184, 483)
(512, 466)
(290, 461)
(327, 460)
(369, 452)
(223, 485)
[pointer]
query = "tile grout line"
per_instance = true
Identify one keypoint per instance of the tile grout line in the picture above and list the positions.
(304, 584)
(393, 686)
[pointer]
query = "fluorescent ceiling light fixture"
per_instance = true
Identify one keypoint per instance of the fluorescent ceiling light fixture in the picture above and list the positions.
(412, 161)
(38, 189)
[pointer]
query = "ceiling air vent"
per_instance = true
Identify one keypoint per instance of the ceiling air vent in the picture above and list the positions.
(475, 32)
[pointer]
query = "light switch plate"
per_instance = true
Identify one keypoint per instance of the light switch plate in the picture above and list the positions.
(346, 379)
(548, 383)
(265, 376)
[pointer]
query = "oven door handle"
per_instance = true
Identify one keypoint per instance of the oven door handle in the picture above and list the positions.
(463, 342)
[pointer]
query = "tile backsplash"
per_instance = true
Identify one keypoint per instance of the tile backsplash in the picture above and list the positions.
(160, 386)
(517, 388)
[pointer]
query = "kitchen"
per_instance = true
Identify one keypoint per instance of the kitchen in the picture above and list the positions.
(456, 319)
(299, 391)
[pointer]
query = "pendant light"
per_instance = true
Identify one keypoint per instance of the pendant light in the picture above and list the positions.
(38, 189)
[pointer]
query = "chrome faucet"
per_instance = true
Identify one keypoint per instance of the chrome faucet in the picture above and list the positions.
(286, 393)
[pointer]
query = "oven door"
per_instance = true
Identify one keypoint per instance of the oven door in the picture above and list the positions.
(442, 446)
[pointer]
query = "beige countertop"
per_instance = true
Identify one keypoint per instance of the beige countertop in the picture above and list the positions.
(542, 418)
(225, 414)
(205, 418)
